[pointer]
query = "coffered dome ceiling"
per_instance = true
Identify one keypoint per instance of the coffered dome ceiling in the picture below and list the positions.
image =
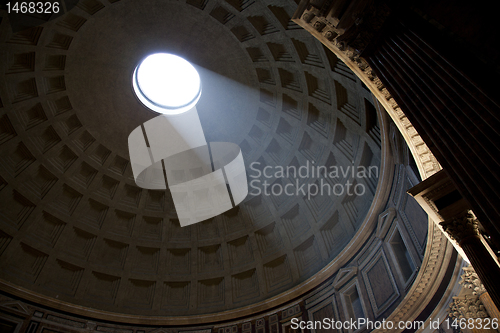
(76, 228)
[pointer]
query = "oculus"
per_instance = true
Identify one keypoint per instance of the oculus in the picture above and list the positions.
(167, 83)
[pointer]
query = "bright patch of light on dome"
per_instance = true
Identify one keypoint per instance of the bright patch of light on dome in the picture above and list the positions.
(167, 83)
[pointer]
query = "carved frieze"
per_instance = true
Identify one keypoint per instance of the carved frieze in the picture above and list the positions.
(470, 280)
(467, 307)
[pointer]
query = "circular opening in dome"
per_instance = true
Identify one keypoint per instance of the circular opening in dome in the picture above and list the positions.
(167, 83)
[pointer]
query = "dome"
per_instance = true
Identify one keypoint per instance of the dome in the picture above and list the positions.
(81, 234)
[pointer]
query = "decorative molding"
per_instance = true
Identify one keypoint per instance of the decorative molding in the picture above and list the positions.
(384, 222)
(337, 41)
(343, 276)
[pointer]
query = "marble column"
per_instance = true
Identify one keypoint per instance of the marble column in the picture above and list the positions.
(464, 229)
